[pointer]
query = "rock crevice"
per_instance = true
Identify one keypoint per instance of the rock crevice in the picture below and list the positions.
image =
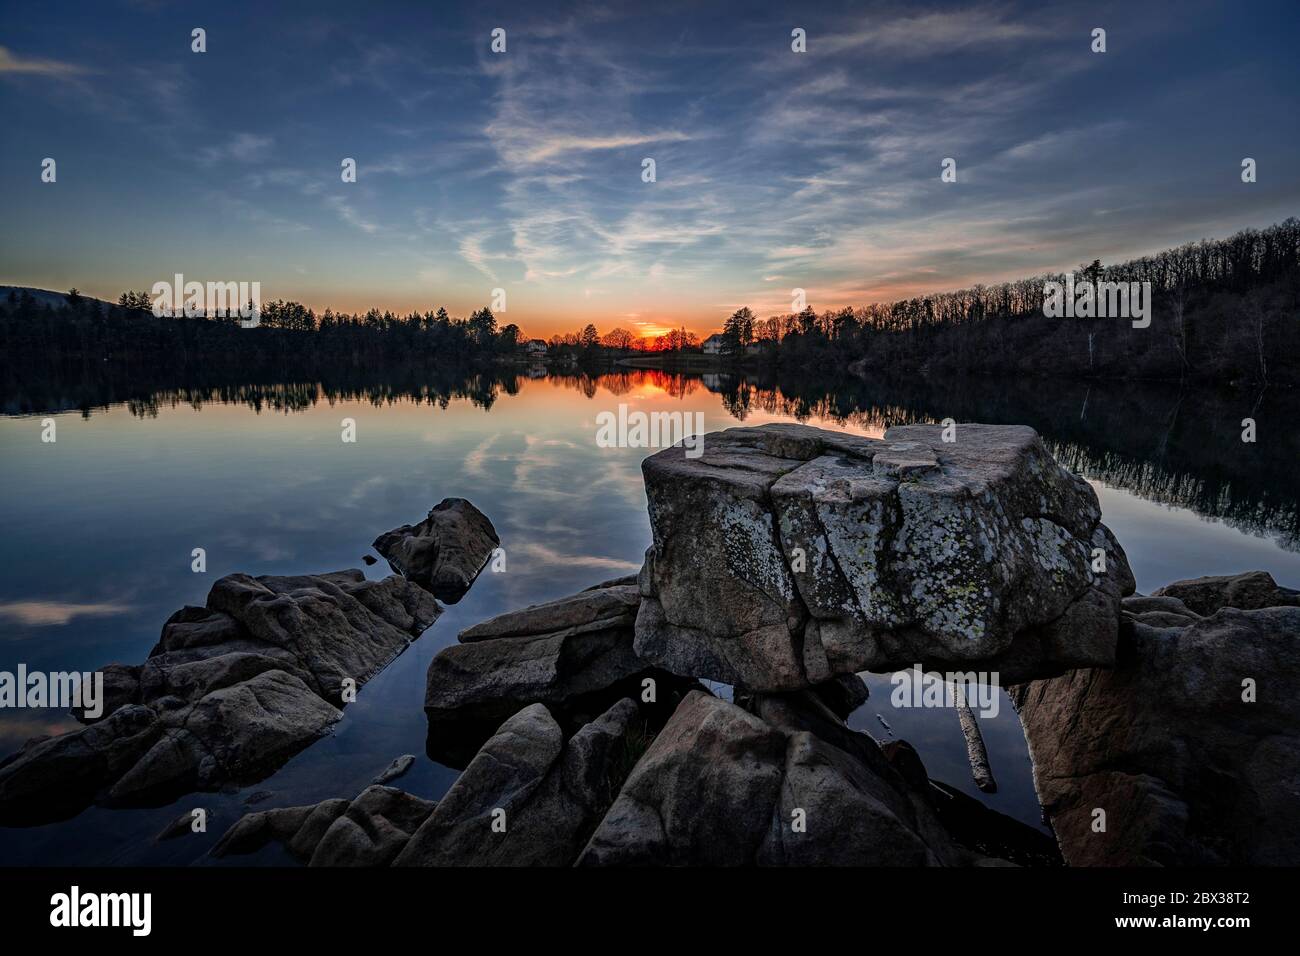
(785, 555)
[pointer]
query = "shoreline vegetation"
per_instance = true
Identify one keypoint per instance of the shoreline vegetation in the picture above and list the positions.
(1223, 311)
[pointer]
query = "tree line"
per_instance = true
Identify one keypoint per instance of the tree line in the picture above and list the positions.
(1225, 310)
(589, 338)
(84, 328)
(1221, 310)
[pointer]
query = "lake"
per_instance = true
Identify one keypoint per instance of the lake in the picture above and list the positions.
(99, 527)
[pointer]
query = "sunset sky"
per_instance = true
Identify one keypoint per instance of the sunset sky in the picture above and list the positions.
(522, 170)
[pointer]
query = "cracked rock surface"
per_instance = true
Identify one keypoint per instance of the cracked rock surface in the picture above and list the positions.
(789, 785)
(783, 782)
(573, 654)
(786, 555)
(1187, 770)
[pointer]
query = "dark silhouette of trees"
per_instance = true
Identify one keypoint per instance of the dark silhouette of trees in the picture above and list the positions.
(483, 327)
(1221, 311)
(619, 339)
(738, 330)
(85, 330)
(1224, 310)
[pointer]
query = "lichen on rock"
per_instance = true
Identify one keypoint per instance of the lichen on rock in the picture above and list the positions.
(785, 555)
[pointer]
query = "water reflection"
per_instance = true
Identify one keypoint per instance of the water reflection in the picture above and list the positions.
(99, 527)
(1165, 444)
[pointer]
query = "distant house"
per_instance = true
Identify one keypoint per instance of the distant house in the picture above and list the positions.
(536, 347)
(714, 345)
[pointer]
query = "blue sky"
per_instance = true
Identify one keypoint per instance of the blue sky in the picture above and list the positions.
(522, 170)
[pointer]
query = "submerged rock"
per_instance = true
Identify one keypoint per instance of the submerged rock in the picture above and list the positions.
(1190, 747)
(445, 552)
(1248, 591)
(181, 826)
(574, 655)
(786, 555)
(229, 693)
(397, 768)
(369, 830)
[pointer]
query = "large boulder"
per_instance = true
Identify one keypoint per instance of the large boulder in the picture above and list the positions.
(786, 555)
(1190, 746)
(573, 655)
(721, 786)
(445, 552)
(529, 798)
(230, 692)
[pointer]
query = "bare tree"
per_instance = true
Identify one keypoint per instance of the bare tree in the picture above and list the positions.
(1178, 326)
(1257, 320)
(618, 339)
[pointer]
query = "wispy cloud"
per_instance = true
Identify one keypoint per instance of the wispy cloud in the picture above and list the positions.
(543, 147)
(471, 250)
(349, 214)
(240, 148)
(14, 64)
(50, 613)
(939, 32)
(548, 555)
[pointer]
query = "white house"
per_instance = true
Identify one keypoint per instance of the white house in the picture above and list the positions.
(714, 345)
(536, 347)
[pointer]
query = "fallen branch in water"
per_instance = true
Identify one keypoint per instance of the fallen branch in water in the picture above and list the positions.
(975, 751)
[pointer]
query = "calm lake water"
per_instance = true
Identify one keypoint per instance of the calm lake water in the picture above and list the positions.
(99, 527)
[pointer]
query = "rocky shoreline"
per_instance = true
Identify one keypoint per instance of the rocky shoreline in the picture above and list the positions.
(233, 689)
(1187, 752)
(785, 561)
(726, 783)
